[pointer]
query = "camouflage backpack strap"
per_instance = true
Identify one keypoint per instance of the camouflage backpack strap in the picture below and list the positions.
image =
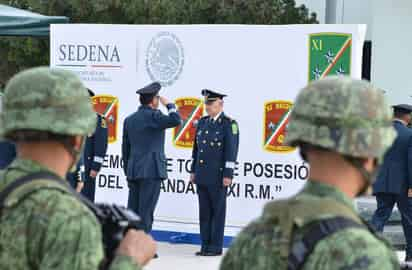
(23, 187)
(316, 218)
(315, 232)
(295, 214)
(335, 217)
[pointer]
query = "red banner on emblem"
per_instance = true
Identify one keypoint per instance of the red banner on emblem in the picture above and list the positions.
(108, 107)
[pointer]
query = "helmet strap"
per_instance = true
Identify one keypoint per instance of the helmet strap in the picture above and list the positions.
(367, 176)
(75, 153)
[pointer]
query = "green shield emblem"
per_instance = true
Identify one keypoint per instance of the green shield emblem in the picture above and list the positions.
(329, 54)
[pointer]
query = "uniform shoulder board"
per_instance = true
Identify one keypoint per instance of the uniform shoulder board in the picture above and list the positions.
(195, 123)
(230, 119)
(204, 118)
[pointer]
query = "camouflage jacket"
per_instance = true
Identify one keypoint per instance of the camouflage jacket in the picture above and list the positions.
(49, 229)
(257, 246)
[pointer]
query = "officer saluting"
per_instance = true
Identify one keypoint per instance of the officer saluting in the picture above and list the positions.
(143, 151)
(214, 155)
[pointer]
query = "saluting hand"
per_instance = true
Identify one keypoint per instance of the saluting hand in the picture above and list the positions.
(164, 100)
(192, 178)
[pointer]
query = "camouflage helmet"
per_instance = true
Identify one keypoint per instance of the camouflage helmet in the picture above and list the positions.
(342, 114)
(47, 99)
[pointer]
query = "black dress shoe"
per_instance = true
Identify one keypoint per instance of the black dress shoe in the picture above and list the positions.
(211, 254)
(199, 253)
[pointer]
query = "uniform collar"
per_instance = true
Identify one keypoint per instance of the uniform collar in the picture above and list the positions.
(396, 120)
(323, 190)
(217, 116)
(145, 107)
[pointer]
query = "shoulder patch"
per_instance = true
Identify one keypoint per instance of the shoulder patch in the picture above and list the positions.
(235, 128)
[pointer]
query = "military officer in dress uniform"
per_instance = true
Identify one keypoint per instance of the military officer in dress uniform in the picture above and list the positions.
(214, 157)
(143, 151)
(394, 182)
(94, 151)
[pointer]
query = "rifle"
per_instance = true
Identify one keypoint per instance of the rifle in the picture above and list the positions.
(115, 221)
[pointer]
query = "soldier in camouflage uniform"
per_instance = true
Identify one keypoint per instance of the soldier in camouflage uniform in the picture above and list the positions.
(343, 128)
(47, 113)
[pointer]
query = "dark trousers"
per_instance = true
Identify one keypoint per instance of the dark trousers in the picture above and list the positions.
(212, 215)
(89, 188)
(143, 198)
(386, 202)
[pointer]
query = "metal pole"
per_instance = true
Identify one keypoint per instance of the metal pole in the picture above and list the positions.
(330, 12)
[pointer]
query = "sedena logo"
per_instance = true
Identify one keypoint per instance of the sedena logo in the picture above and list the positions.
(94, 55)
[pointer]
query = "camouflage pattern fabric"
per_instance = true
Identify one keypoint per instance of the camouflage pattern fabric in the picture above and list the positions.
(49, 229)
(348, 116)
(45, 99)
(257, 246)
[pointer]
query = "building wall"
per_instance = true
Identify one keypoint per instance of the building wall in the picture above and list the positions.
(347, 11)
(391, 49)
